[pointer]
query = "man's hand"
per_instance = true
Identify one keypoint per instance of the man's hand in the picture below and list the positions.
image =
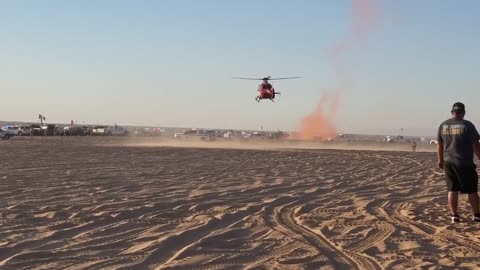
(440, 164)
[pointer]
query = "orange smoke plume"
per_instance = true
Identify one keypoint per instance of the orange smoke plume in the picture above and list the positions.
(318, 124)
(321, 122)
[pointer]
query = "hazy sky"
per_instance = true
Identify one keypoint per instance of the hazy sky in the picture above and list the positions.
(170, 63)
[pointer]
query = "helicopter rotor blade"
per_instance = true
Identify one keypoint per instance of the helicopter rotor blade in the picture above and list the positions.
(286, 78)
(255, 79)
(266, 78)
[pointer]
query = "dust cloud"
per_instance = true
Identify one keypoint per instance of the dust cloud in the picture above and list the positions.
(321, 122)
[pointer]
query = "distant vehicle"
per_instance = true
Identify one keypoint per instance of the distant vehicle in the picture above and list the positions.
(277, 135)
(155, 131)
(16, 130)
(25, 131)
(208, 135)
(229, 134)
(179, 135)
(50, 130)
(36, 130)
(257, 134)
(75, 131)
(5, 135)
(191, 132)
(389, 139)
(116, 131)
(187, 133)
(148, 131)
(204, 135)
(254, 135)
(98, 130)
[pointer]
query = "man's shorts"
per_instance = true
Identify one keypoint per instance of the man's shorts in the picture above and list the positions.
(463, 179)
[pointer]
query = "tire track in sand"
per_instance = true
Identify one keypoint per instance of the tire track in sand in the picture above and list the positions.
(337, 257)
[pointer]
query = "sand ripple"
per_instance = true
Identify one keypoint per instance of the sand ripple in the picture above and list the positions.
(67, 205)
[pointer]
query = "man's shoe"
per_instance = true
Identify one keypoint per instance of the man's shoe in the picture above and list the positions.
(456, 218)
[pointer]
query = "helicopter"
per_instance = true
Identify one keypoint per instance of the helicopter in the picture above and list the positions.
(265, 89)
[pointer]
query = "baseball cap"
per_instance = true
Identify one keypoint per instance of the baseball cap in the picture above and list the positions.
(458, 107)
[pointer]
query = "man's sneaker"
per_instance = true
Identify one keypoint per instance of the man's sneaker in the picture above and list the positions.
(456, 218)
(476, 217)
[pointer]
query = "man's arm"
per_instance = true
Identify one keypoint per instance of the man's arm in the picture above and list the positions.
(440, 155)
(476, 148)
(475, 137)
(440, 149)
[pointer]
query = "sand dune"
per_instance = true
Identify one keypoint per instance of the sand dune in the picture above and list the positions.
(78, 204)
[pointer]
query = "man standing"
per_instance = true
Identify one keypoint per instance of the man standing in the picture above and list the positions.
(458, 139)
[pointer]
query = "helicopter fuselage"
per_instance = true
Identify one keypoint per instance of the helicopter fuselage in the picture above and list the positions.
(266, 91)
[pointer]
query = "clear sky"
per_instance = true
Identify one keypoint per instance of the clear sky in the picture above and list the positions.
(170, 62)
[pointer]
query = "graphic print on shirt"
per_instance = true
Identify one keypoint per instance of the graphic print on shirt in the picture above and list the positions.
(453, 129)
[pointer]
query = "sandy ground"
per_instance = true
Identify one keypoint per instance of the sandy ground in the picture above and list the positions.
(90, 203)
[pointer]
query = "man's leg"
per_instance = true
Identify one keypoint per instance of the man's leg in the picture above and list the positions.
(473, 199)
(453, 202)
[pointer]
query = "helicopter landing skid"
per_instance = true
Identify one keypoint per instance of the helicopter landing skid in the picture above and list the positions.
(258, 98)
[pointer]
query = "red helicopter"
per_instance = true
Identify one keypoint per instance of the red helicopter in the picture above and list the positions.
(265, 89)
